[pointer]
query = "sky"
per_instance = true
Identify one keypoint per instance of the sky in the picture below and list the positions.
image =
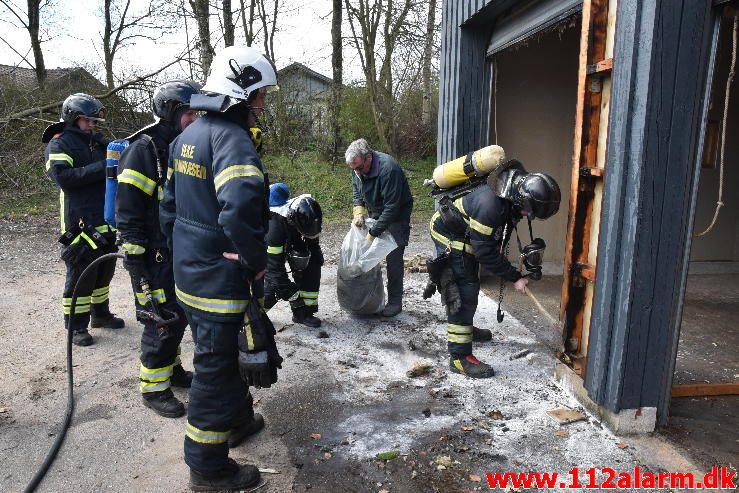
(305, 37)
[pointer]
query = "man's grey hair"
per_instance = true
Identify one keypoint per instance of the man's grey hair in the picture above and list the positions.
(358, 148)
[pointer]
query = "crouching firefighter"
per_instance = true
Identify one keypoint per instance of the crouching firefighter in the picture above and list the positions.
(141, 176)
(294, 227)
(215, 217)
(75, 161)
(473, 227)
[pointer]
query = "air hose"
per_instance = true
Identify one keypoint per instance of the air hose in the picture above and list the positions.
(39, 476)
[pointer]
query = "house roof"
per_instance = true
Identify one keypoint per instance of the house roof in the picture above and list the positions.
(25, 78)
(296, 66)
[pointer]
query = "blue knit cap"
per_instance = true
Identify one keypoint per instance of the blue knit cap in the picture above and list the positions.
(279, 194)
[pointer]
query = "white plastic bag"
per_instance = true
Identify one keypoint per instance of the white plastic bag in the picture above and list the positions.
(360, 288)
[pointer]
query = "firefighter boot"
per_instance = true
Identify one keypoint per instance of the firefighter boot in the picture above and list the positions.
(242, 431)
(303, 316)
(481, 335)
(164, 403)
(470, 366)
(81, 338)
(181, 377)
(232, 477)
(102, 318)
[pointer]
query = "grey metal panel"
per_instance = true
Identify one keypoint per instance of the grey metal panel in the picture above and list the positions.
(530, 18)
(462, 78)
(657, 86)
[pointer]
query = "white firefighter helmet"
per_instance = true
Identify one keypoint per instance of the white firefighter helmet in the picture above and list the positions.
(239, 71)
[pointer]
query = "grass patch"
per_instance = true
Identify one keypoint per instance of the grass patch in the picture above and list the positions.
(45, 202)
(331, 185)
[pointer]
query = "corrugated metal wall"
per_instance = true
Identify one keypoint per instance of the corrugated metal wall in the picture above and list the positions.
(465, 81)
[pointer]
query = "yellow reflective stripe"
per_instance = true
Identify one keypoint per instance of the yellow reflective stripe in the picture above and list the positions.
(147, 387)
(211, 304)
(61, 210)
(249, 338)
(458, 366)
(459, 329)
(460, 334)
(89, 240)
(59, 156)
(138, 180)
(160, 193)
(459, 204)
(155, 374)
(133, 248)
(99, 291)
(236, 171)
(275, 250)
(203, 436)
(170, 172)
(457, 339)
(82, 306)
(105, 228)
(456, 245)
(309, 294)
(310, 302)
(100, 295)
(480, 227)
(158, 295)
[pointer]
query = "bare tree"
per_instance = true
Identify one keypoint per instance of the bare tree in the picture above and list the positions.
(228, 23)
(337, 62)
(31, 22)
(201, 10)
(248, 23)
(269, 25)
(427, 56)
(377, 27)
(123, 25)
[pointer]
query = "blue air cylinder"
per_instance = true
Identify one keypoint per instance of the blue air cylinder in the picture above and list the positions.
(113, 155)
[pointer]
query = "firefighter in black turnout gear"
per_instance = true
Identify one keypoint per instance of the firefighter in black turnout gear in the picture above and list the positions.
(294, 227)
(141, 177)
(474, 229)
(215, 216)
(75, 161)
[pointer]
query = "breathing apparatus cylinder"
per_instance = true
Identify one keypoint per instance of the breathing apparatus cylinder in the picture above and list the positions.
(478, 163)
(112, 156)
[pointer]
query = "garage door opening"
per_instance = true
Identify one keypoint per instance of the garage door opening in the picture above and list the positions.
(533, 106)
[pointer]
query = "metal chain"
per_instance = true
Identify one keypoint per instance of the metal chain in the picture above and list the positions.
(505, 251)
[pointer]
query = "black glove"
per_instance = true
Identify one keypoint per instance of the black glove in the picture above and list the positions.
(136, 266)
(258, 355)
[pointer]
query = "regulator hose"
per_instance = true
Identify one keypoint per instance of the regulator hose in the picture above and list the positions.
(39, 476)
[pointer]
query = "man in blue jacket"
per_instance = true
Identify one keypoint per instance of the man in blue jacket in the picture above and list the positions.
(215, 215)
(380, 190)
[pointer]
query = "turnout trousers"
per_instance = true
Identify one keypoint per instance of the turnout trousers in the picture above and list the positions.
(308, 281)
(465, 270)
(159, 357)
(93, 293)
(219, 398)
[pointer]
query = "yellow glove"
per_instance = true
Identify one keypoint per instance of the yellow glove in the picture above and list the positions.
(360, 214)
(370, 238)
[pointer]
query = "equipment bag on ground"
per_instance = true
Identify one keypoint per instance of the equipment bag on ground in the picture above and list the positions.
(359, 284)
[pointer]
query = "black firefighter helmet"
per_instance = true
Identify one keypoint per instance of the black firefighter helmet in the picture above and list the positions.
(171, 96)
(75, 106)
(304, 214)
(536, 193)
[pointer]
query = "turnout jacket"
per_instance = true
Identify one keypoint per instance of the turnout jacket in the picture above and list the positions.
(384, 192)
(486, 216)
(75, 161)
(141, 176)
(215, 202)
(283, 238)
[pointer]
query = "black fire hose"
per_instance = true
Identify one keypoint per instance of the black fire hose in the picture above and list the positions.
(39, 476)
